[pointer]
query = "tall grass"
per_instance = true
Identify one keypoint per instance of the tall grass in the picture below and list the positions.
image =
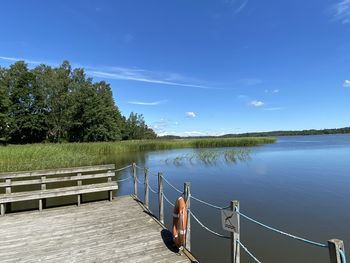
(44, 156)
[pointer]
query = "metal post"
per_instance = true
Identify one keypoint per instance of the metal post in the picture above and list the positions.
(135, 179)
(160, 198)
(146, 189)
(187, 196)
(234, 247)
(334, 245)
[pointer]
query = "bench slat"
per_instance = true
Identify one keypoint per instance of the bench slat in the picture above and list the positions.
(65, 191)
(57, 180)
(83, 169)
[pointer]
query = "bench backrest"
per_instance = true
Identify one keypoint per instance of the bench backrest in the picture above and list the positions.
(43, 177)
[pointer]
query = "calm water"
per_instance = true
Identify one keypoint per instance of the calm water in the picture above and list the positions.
(300, 185)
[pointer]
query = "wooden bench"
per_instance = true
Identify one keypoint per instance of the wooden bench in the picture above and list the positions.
(52, 177)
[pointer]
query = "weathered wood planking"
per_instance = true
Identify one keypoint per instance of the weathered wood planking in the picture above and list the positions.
(56, 176)
(74, 170)
(118, 231)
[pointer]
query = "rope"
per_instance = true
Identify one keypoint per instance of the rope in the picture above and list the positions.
(281, 232)
(123, 168)
(140, 167)
(247, 251)
(137, 180)
(206, 228)
(166, 199)
(176, 189)
(125, 179)
(342, 256)
(209, 204)
(153, 191)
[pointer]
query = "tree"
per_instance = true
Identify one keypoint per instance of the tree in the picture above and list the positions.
(61, 104)
(26, 122)
(4, 107)
(137, 128)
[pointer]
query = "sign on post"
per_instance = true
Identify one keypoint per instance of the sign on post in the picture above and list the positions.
(229, 220)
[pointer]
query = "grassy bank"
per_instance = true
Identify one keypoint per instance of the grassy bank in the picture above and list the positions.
(44, 156)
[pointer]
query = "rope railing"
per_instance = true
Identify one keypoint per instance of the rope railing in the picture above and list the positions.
(191, 214)
(169, 202)
(209, 204)
(247, 251)
(282, 232)
(172, 186)
(152, 190)
(123, 168)
(207, 228)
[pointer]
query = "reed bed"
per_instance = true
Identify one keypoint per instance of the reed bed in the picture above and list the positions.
(45, 156)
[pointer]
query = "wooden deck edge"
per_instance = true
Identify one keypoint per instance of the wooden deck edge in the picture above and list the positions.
(186, 252)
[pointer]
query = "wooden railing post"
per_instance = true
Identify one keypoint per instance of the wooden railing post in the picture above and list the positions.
(80, 196)
(135, 179)
(187, 196)
(235, 248)
(160, 198)
(334, 245)
(42, 202)
(146, 189)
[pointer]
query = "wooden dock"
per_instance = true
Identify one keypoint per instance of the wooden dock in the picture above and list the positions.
(117, 231)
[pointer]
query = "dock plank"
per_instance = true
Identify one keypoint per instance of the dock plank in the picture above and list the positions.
(117, 231)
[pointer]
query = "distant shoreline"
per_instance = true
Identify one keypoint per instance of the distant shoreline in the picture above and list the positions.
(345, 130)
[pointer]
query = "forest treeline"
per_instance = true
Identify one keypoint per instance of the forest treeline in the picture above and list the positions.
(345, 130)
(48, 104)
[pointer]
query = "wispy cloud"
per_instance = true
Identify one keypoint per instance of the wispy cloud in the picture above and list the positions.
(11, 59)
(257, 103)
(241, 6)
(346, 83)
(138, 75)
(275, 91)
(341, 11)
(154, 103)
(190, 114)
(238, 5)
(130, 74)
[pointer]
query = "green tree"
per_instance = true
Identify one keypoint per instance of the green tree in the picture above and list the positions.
(137, 128)
(26, 122)
(4, 107)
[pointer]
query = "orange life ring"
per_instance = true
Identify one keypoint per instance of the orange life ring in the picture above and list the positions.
(180, 222)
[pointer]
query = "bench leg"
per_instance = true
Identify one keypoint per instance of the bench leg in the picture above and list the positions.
(80, 199)
(40, 204)
(110, 194)
(2, 209)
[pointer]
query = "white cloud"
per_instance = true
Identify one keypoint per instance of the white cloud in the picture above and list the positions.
(346, 83)
(257, 103)
(194, 133)
(190, 114)
(275, 91)
(154, 103)
(341, 11)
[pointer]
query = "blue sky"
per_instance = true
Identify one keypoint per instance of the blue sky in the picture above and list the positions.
(198, 67)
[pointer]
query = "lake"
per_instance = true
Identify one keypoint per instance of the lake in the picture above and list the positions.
(300, 185)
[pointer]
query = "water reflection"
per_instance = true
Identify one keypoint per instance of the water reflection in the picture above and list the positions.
(211, 157)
